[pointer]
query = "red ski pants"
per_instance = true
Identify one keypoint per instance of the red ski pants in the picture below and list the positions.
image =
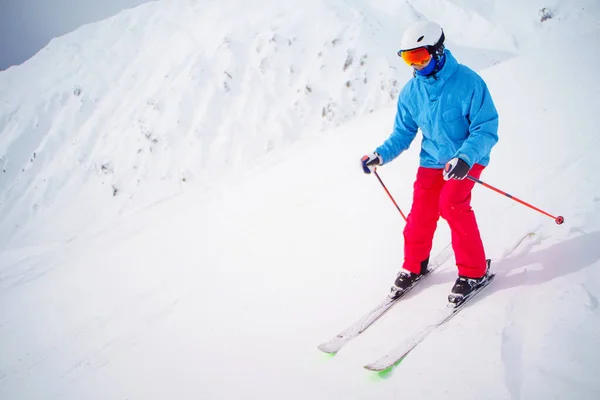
(434, 197)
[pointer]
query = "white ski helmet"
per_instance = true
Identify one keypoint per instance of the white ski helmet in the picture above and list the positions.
(423, 34)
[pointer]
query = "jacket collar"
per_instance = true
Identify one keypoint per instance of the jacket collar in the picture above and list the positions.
(443, 74)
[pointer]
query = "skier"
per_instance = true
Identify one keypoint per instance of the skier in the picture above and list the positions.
(452, 107)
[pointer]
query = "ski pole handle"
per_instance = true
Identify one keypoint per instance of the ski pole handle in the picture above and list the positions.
(559, 220)
(389, 194)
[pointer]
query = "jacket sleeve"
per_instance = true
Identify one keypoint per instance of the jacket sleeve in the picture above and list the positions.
(405, 130)
(483, 127)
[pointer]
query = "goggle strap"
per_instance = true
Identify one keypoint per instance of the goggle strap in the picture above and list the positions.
(433, 49)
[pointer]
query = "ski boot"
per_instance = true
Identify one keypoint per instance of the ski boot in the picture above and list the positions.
(407, 279)
(464, 286)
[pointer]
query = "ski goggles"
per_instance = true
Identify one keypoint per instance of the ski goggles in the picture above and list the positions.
(419, 56)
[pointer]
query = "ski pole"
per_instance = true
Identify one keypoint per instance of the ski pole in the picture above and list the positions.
(559, 220)
(388, 193)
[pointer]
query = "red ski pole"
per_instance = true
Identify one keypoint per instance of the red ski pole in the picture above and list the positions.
(559, 220)
(388, 193)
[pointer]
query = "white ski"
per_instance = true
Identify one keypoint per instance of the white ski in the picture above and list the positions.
(338, 341)
(397, 354)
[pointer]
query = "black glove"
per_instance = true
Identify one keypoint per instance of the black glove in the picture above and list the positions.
(456, 169)
(370, 162)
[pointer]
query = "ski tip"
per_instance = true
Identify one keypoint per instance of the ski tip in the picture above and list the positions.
(326, 349)
(382, 370)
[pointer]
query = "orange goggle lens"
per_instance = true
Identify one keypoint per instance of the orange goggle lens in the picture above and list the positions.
(418, 56)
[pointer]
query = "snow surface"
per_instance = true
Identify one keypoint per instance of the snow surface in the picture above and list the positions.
(182, 214)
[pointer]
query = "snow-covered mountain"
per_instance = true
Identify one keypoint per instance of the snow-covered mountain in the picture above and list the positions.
(182, 214)
(178, 91)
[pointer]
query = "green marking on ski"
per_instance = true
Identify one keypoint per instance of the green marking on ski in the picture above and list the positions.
(387, 372)
(327, 356)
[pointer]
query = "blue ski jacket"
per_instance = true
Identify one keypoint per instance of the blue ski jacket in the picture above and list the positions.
(456, 115)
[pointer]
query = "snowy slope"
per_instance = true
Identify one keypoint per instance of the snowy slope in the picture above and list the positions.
(224, 290)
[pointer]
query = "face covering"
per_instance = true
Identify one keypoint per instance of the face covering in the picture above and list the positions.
(434, 66)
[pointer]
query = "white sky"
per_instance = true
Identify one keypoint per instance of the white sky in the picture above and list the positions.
(26, 26)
